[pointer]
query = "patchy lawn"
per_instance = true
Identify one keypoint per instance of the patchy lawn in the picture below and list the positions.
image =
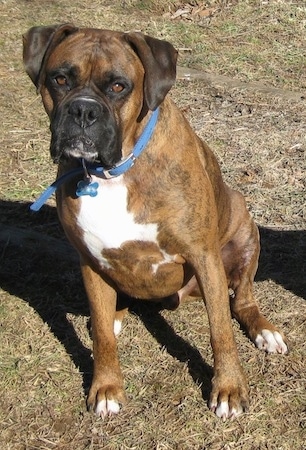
(247, 100)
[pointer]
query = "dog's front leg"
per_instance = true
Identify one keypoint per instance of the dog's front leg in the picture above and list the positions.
(106, 392)
(229, 396)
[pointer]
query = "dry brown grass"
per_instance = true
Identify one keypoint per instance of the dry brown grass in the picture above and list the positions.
(45, 358)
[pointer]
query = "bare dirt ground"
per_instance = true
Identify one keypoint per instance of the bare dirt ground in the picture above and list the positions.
(246, 97)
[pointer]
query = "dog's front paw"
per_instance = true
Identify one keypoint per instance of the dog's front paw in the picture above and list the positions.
(107, 408)
(105, 401)
(229, 397)
(271, 342)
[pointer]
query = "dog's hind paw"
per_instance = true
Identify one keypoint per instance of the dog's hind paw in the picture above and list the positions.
(271, 342)
(117, 327)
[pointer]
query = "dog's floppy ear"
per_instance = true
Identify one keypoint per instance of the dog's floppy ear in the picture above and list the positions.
(159, 61)
(38, 43)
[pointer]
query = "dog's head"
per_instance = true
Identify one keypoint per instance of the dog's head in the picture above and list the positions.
(96, 85)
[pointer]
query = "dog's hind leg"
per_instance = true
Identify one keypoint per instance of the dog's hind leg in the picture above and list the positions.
(240, 258)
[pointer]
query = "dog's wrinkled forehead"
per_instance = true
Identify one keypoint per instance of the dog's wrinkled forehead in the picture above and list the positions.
(148, 61)
(89, 54)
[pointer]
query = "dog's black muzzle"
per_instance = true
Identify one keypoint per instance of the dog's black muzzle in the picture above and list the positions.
(83, 126)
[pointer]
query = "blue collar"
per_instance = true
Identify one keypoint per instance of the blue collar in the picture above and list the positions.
(85, 187)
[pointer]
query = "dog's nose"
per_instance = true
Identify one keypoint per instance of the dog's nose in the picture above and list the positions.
(84, 111)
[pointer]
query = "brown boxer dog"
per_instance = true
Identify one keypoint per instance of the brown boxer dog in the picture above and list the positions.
(141, 198)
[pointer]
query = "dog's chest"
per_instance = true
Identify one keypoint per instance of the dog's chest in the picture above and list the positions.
(107, 224)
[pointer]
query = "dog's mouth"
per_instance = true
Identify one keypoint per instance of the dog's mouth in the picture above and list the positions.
(81, 147)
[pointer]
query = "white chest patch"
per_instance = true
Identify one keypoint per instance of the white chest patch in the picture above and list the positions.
(107, 223)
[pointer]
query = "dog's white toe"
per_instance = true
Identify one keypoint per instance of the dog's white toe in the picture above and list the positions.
(223, 411)
(107, 408)
(271, 342)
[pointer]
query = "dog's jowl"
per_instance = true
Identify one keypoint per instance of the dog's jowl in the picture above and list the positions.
(141, 198)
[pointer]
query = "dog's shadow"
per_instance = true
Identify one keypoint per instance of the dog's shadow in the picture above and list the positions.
(40, 267)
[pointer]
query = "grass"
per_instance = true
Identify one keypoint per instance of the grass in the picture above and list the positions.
(259, 139)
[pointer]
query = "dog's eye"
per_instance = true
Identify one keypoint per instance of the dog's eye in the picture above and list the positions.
(61, 80)
(117, 88)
